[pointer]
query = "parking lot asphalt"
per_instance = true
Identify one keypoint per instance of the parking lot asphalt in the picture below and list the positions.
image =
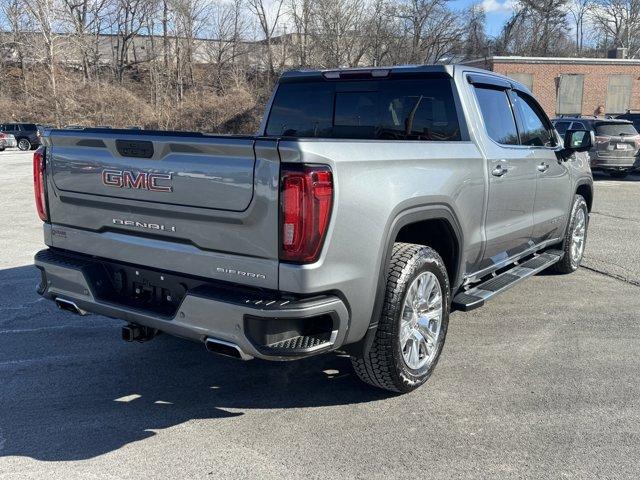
(542, 382)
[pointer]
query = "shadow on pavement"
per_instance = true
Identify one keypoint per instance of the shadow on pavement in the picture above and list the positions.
(601, 176)
(70, 389)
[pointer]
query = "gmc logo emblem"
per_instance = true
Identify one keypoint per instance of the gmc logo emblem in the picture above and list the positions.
(138, 181)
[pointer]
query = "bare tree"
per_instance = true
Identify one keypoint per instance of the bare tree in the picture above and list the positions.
(301, 14)
(129, 17)
(44, 14)
(431, 30)
(189, 20)
(537, 28)
(84, 17)
(338, 36)
(619, 22)
(226, 28)
(268, 16)
(579, 9)
(550, 22)
(379, 34)
(475, 41)
(18, 25)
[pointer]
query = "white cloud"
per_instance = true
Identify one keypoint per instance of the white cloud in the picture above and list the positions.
(504, 6)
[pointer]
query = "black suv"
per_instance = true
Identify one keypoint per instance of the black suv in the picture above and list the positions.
(616, 145)
(27, 134)
(632, 117)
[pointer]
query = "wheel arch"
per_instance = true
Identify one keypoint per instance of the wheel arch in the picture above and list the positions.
(436, 226)
(585, 188)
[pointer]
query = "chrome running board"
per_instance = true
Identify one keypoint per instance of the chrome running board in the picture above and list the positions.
(477, 295)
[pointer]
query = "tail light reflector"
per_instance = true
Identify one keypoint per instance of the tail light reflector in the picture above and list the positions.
(601, 139)
(38, 184)
(306, 202)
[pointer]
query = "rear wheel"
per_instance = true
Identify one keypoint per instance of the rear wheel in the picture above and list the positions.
(24, 144)
(413, 324)
(575, 238)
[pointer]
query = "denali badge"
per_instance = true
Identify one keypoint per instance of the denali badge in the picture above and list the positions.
(139, 181)
(150, 226)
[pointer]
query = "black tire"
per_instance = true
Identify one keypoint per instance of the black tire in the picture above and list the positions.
(619, 173)
(569, 264)
(384, 365)
(24, 144)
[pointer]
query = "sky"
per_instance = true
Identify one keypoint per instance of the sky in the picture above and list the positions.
(497, 11)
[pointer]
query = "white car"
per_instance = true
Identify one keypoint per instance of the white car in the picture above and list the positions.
(7, 140)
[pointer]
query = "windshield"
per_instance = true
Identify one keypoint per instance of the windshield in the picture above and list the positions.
(384, 109)
(615, 129)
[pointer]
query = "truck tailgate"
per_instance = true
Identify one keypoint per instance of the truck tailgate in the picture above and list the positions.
(196, 172)
(196, 204)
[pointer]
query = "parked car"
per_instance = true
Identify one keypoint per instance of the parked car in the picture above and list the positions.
(7, 141)
(26, 134)
(633, 117)
(616, 146)
(372, 203)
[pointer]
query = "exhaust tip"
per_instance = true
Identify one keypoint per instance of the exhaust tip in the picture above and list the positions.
(69, 306)
(227, 349)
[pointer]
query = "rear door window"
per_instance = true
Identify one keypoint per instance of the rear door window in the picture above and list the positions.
(497, 114)
(399, 109)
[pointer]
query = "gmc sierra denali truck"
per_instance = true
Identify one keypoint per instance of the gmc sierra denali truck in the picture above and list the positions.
(371, 204)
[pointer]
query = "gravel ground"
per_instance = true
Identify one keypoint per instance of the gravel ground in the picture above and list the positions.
(540, 383)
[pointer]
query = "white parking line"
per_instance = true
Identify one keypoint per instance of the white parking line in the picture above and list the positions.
(53, 327)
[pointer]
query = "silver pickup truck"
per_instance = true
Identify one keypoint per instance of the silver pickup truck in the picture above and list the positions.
(371, 204)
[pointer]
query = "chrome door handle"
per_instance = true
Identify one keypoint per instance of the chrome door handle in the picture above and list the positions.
(543, 167)
(499, 170)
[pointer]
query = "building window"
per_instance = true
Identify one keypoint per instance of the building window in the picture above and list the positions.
(525, 79)
(619, 93)
(569, 98)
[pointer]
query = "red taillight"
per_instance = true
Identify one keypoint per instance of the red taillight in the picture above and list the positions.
(307, 197)
(38, 183)
(600, 139)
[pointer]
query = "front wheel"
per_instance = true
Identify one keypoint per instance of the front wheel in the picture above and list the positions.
(413, 325)
(575, 238)
(24, 144)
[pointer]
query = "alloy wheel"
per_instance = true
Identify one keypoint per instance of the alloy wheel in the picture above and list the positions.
(421, 321)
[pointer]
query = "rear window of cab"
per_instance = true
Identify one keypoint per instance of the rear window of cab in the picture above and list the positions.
(390, 109)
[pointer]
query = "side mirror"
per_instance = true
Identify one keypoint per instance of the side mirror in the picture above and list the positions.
(578, 141)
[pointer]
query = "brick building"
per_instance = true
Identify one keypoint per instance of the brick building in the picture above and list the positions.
(572, 86)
